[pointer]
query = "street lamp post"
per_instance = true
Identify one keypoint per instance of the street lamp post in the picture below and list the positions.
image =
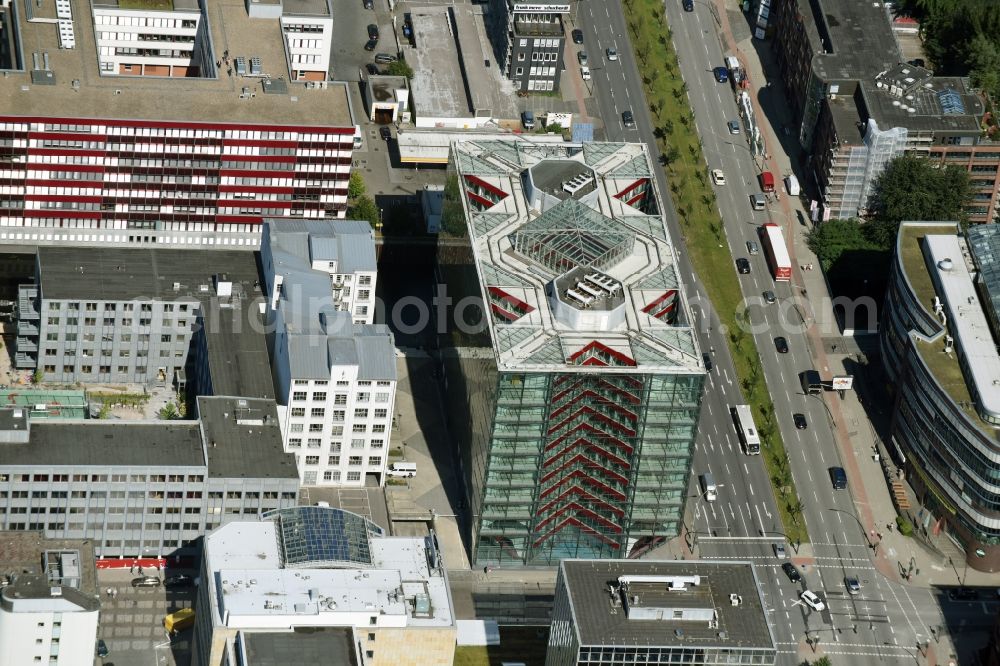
(871, 544)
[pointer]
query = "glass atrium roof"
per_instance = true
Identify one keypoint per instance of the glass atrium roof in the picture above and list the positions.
(572, 234)
(317, 537)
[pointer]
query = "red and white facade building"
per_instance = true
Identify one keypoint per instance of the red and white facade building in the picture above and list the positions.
(127, 181)
(92, 159)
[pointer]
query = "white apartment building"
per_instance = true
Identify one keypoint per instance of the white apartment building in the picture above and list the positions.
(334, 371)
(49, 608)
(152, 42)
(307, 29)
(308, 581)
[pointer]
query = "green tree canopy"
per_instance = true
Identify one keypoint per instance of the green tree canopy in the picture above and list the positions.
(831, 239)
(950, 29)
(356, 186)
(913, 188)
(363, 208)
(399, 68)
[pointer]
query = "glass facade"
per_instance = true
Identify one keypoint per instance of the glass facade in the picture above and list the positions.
(585, 465)
(951, 455)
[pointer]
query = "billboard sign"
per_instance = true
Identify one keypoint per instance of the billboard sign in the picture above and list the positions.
(843, 383)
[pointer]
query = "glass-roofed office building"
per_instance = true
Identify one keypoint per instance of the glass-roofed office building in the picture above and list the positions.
(313, 536)
(577, 426)
(312, 584)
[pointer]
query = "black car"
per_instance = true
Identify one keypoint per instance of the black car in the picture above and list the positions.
(790, 571)
(781, 345)
(372, 68)
(371, 45)
(963, 594)
(369, 4)
(800, 421)
(179, 580)
(578, 36)
(688, 5)
(708, 361)
(743, 266)
(917, 62)
(627, 119)
(385, 133)
(373, 31)
(838, 477)
(102, 648)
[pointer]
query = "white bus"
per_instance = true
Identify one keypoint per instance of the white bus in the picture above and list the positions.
(749, 437)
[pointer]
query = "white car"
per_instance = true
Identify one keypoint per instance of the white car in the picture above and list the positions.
(812, 600)
(585, 73)
(612, 54)
(718, 177)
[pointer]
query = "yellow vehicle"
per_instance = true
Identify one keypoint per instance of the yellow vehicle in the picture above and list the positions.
(179, 620)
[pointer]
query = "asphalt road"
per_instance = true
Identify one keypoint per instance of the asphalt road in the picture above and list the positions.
(884, 621)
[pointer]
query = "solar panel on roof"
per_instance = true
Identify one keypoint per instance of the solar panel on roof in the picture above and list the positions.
(312, 536)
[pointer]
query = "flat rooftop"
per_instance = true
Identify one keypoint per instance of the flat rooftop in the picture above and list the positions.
(438, 82)
(306, 8)
(856, 36)
(446, 85)
(524, 237)
(243, 439)
(945, 367)
(80, 92)
(99, 443)
(329, 645)
(601, 621)
(43, 564)
(121, 274)
(254, 583)
(966, 319)
(928, 102)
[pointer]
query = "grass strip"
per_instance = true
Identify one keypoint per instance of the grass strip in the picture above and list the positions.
(695, 202)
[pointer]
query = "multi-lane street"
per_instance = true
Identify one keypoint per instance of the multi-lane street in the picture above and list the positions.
(881, 621)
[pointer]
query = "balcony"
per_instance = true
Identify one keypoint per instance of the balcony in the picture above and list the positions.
(25, 361)
(26, 345)
(27, 327)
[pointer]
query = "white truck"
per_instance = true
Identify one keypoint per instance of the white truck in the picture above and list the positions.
(792, 185)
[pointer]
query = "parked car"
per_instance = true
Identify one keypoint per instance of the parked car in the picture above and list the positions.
(721, 75)
(800, 421)
(384, 58)
(790, 571)
(734, 126)
(371, 45)
(373, 31)
(852, 584)
(708, 361)
(769, 297)
(811, 600)
(372, 68)
(102, 648)
(146, 581)
(581, 56)
(578, 36)
(611, 53)
(781, 345)
(385, 133)
(585, 73)
(179, 580)
(743, 266)
(628, 120)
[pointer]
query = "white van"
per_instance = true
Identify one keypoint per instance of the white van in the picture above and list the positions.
(404, 470)
(708, 487)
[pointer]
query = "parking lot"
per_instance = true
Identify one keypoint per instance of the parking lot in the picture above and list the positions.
(132, 620)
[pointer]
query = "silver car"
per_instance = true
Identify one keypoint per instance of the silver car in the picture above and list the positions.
(752, 247)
